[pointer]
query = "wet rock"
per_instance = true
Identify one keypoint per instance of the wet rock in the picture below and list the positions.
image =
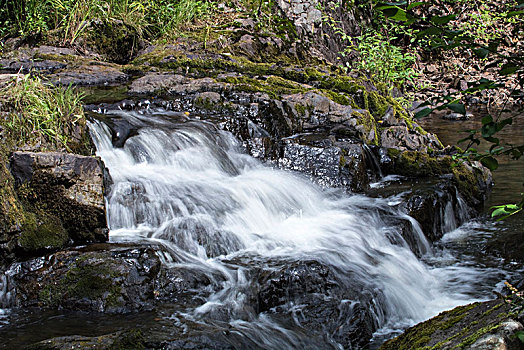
(92, 75)
(327, 164)
(109, 278)
(121, 130)
(99, 278)
(64, 196)
(316, 297)
(132, 339)
(438, 209)
(509, 245)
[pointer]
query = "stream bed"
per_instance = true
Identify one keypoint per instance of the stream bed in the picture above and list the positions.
(282, 262)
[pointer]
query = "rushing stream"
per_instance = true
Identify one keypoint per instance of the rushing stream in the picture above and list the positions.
(189, 187)
(289, 265)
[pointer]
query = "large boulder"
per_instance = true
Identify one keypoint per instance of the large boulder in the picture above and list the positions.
(63, 199)
(101, 278)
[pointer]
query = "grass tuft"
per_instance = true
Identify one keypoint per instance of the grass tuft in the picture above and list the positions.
(40, 113)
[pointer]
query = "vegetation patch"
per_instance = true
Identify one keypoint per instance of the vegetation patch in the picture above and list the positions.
(43, 116)
(83, 280)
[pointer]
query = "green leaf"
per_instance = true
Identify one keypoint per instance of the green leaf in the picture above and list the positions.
(520, 335)
(494, 140)
(431, 31)
(508, 69)
(487, 119)
(500, 125)
(514, 13)
(481, 52)
(488, 130)
(498, 212)
(424, 112)
(490, 163)
(457, 107)
(415, 4)
(443, 19)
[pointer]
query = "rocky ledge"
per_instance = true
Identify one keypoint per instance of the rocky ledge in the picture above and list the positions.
(61, 201)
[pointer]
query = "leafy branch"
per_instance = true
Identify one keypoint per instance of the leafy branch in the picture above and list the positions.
(441, 35)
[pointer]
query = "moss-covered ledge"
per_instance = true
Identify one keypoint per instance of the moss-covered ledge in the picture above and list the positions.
(464, 327)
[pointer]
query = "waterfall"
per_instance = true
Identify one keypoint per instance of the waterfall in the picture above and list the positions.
(189, 186)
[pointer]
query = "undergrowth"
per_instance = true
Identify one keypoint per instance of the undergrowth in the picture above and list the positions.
(41, 114)
(150, 18)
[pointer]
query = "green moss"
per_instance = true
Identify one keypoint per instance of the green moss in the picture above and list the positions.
(417, 337)
(42, 231)
(368, 122)
(129, 340)
(116, 40)
(419, 164)
(475, 336)
(274, 86)
(83, 280)
(490, 311)
(336, 97)
(466, 181)
(301, 109)
(393, 152)
(11, 211)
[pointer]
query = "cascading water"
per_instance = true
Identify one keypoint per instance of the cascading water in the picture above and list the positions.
(188, 186)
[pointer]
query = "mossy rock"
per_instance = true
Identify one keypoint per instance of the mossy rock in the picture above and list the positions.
(83, 281)
(131, 339)
(454, 329)
(419, 164)
(42, 232)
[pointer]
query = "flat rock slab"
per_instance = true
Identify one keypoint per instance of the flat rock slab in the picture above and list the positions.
(27, 65)
(172, 84)
(89, 75)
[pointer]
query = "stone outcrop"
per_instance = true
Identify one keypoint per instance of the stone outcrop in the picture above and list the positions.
(62, 196)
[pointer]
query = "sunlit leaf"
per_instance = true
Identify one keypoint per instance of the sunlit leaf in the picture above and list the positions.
(416, 4)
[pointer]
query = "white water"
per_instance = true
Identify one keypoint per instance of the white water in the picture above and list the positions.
(190, 187)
